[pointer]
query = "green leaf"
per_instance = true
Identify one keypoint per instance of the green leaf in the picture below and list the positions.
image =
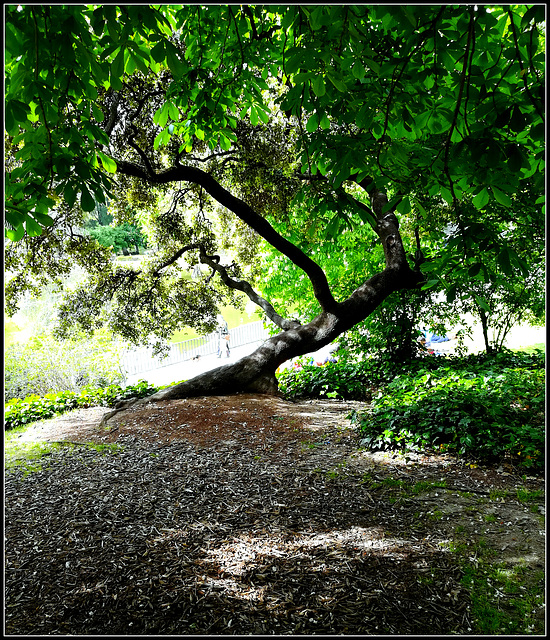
(86, 200)
(108, 163)
(517, 120)
(312, 123)
(173, 111)
(15, 234)
(504, 262)
(174, 63)
(293, 63)
(358, 71)
(162, 139)
(482, 303)
(43, 219)
(501, 198)
(161, 115)
(474, 269)
(98, 113)
(481, 199)
(332, 227)
(451, 293)
(225, 142)
(373, 66)
(447, 195)
(319, 86)
(139, 62)
(264, 115)
(338, 83)
(404, 206)
(157, 52)
(325, 122)
(33, 228)
(117, 66)
(69, 195)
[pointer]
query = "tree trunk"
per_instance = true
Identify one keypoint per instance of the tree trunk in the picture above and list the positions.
(256, 372)
(485, 329)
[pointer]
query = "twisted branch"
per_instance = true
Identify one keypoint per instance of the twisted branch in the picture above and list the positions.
(242, 285)
(244, 212)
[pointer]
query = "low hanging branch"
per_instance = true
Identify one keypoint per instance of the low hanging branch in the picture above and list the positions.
(243, 211)
(242, 285)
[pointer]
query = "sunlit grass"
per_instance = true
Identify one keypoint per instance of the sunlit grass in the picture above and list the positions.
(540, 346)
(30, 455)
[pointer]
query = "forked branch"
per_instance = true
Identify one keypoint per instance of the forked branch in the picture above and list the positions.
(245, 287)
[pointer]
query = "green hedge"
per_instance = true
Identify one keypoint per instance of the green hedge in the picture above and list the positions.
(489, 415)
(18, 412)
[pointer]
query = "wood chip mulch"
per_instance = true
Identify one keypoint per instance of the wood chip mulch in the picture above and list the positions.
(218, 516)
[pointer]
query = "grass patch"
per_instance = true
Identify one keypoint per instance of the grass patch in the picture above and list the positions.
(504, 599)
(525, 495)
(32, 456)
(539, 346)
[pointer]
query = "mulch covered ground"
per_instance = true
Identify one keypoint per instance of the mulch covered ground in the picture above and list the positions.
(241, 515)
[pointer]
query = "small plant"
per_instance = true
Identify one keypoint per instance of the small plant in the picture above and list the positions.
(19, 412)
(525, 495)
(497, 494)
(425, 485)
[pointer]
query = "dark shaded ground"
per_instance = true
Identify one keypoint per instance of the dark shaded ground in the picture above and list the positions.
(221, 531)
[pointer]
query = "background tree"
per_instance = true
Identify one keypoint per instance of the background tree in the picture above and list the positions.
(125, 238)
(353, 113)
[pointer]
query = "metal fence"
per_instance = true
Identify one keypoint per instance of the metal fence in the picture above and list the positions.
(140, 360)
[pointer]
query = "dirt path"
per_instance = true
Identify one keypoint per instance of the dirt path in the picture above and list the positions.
(246, 515)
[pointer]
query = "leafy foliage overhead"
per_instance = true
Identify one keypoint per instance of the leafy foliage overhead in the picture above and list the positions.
(440, 99)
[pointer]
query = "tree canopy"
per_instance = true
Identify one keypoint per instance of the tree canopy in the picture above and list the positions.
(222, 126)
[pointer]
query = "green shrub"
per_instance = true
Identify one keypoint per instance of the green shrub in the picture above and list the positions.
(44, 365)
(331, 380)
(489, 413)
(34, 407)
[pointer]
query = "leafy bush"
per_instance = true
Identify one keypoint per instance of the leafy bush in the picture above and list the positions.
(483, 405)
(331, 380)
(34, 407)
(489, 413)
(45, 365)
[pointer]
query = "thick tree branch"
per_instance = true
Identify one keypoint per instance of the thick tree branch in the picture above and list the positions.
(242, 285)
(387, 229)
(175, 257)
(243, 211)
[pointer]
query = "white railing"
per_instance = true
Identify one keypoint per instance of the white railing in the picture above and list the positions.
(140, 360)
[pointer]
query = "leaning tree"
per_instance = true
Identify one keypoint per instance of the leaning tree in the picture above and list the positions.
(236, 126)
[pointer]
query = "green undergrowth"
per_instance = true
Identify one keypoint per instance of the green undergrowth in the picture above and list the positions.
(19, 412)
(489, 407)
(488, 414)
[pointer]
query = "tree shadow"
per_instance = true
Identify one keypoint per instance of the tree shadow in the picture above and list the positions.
(200, 545)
